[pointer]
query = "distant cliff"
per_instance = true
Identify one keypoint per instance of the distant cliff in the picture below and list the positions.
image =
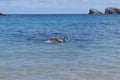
(109, 10)
(1, 14)
(94, 11)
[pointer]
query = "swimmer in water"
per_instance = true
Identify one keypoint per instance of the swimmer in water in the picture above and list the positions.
(65, 39)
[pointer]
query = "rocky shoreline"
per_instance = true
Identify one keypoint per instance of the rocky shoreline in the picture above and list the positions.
(109, 10)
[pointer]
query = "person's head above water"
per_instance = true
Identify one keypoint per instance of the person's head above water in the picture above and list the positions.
(65, 39)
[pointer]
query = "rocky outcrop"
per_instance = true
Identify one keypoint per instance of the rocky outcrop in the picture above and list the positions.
(111, 10)
(94, 11)
(1, 14)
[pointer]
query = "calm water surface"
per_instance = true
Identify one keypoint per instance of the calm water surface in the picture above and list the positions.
(93, 53)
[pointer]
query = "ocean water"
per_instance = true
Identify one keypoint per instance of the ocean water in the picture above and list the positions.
(93, 52)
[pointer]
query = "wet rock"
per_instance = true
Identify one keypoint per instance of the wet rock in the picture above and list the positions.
(94, 11)
(111, 10)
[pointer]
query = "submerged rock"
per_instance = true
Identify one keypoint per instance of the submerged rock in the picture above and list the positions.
(94, 11)
(1, 14)
(111, 10)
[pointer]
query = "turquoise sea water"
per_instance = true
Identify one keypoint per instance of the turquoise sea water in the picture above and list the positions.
(93, 53)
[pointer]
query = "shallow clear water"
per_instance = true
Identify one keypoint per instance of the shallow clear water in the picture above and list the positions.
(93, 53)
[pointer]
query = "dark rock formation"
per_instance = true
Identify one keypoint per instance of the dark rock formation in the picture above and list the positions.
(1, 14)
(94, 11)
(111, 10)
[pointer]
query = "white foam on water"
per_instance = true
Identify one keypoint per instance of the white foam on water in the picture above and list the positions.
(48, 41)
